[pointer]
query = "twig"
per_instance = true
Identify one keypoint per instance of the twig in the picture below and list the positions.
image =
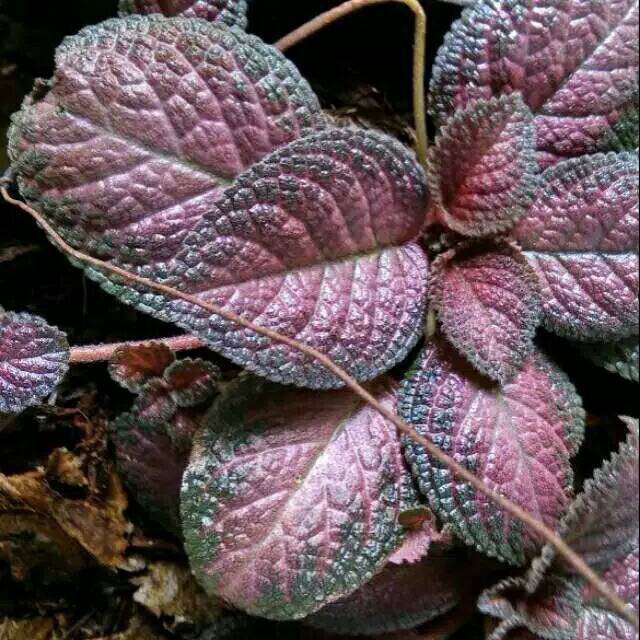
(104, 352)
(419, 54)
(562, 548)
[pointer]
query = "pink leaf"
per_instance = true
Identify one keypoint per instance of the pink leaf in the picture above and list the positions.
(401, 597)
(291, 497)
(581, 237)
(575, 62)
(231, 12)
(483, 168)
(488, 302)
(602, 527)
(146, 122)
(519, 439)
(316, 242)
(33, 360)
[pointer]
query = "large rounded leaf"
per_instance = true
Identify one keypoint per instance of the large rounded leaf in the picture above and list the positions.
(231, 12)
(575, 62)
(581, 237)
(316, 242)
(33, 360)
(519, 439)
(291, 498)
(401, 596)
(146, 121)
(488, 303)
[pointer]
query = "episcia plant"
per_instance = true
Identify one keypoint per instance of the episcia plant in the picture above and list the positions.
(189, 168)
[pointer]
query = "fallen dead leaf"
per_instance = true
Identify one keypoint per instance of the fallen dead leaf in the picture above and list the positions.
(37, 629)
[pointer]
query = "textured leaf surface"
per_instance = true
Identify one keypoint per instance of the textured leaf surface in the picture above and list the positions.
(152, 456)
(488, 303)
(192, 381)
(575, 62)
(148, 119)
(618, 357)
(602, 525)
(519, 439)
(33, 360)
(581, 237)
(133, 366)
(291, 497)
(231, 12)
(483, 167)
(400, 597)
(316, 242)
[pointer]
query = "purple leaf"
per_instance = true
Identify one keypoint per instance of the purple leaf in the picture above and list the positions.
(192, 381)
(488, 303)
(231, 12)
(483, 169)
(152, 457)
(421, 533)
(155, 404)
(618, 357)
(291, 497)
(575, 62)
(602, 527)
(596, 621)
(519, 439)
(400, 597)
(133, 367)
(146, 122)
(33, 360)
(581, 237)
(316, 242)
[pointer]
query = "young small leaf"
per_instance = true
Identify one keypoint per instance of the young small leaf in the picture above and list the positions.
(147, 121)
(316, 242)
(575, 62)
(192, 381)
(482, 172)
(618, 357)
(231, 12)
(33, 360)
(581, 237)
(488, 303)
(154, 404)
(400, 597)
(518, 438)
(291, 498)
(133, 367)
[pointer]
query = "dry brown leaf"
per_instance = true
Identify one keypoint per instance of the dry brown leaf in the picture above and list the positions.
(67, 468)
(138, 630)
(169, 590)
(97, 525)
(36, 629)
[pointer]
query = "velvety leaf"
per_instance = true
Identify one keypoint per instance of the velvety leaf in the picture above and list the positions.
(316, 242)
(519, 439)
(551, 600)
(488, 302)
(618, 357)
(483, 169)
(192, 381)
(624, 136)
(146, 122)
(575, 62)
(231, 12)
(291, 498)
(155, 404)
(134, 366)
(421, 532)
(152, 457)
(401, 597)
(581, 237)
(596, 621)
(33, 360)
